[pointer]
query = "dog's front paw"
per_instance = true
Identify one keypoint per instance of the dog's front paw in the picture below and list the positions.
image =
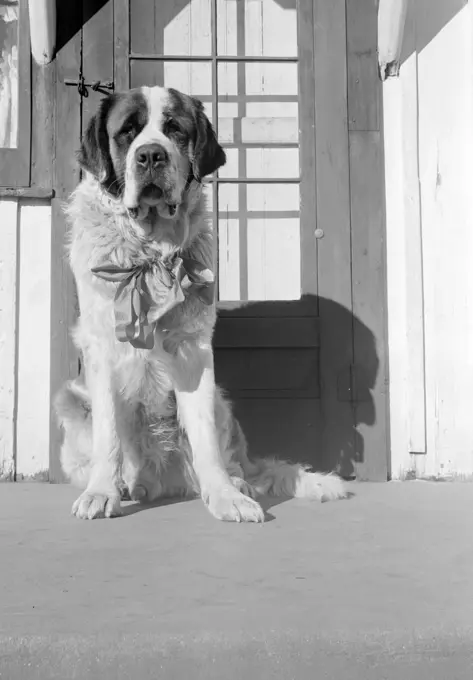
(91, 505)
(229, 505)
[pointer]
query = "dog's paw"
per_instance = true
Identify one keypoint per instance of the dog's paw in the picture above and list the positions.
(140, 493)
(229, 505)
(243, 486)
(92, 505)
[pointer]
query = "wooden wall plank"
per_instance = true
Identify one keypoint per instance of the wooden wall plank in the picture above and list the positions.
(336, 443)
(43, 125)
(362, 46)
(413, 242)
(64, 359)
(8, 335)
(404, 262)
(446, 169)
(32, 455)
(64, 312)
(68, 104)
(97, 52)
(369, 303)
(397, 239)
(121, 34)
(367, 209)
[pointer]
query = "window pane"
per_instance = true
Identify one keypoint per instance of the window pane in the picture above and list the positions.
(9, 75)
(257, 28)
(259, 131)
(261, 163)
(193, 78)
(260, 81)
(259, 242)
(171, 27)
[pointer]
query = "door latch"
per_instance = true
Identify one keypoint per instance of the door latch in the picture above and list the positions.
(104, 87)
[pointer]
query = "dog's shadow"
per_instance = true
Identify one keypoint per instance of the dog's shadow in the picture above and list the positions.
(267, 502)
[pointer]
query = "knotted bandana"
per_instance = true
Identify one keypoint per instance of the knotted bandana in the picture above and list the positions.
(147, 292)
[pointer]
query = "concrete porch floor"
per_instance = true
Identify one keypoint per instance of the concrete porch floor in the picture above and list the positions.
(376, 587)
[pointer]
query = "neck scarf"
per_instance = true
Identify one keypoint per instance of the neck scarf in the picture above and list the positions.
(145, 293)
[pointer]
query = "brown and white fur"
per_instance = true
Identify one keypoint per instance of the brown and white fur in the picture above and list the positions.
(153, 421)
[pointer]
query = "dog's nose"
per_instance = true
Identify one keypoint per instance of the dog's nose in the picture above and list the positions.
(150, 155)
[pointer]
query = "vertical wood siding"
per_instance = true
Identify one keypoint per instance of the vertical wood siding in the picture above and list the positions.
(25, 281)
(429, 168)
(8, 334)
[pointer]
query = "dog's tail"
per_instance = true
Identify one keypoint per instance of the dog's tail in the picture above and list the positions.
(280, 478)
(271, 476)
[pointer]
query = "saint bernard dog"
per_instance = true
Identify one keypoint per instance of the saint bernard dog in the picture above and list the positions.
(145, 420)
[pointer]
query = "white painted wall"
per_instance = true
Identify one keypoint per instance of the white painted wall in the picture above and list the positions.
(25, 281)
(428, 128)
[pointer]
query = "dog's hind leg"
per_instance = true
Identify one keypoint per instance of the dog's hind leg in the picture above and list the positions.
(72, 407)
(156, 462)
(73, 411)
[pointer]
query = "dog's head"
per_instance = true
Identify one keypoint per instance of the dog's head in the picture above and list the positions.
(145, 145)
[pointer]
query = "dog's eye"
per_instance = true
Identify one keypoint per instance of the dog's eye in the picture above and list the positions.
(173, 128)
(126, 130)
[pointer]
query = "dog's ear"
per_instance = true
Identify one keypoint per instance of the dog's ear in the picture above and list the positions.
(208, 155)
(94, 154)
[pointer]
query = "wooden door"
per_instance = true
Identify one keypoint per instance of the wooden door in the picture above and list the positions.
(279, 81)
(252, 65)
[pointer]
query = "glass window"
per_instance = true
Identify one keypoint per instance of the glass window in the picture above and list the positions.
(15, 94)
(9, 75)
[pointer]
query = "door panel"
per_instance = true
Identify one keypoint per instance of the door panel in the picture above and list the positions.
(287, 428)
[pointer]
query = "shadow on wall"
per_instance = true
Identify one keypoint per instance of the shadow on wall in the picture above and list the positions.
(73, 16)
(431, 17)
(318, 426)
(425, 19)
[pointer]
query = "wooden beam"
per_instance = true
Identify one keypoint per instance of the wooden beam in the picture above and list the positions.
(26, 192)
(391, 21)
(42, 30)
